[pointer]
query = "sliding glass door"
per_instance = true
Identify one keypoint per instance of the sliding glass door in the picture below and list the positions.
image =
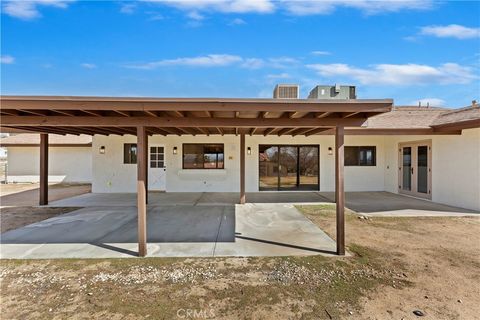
(415, 172)
(288, 167)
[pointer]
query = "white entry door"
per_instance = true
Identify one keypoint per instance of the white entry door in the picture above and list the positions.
(157, 169)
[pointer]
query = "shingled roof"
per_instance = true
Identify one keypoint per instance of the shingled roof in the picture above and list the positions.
(409, 117)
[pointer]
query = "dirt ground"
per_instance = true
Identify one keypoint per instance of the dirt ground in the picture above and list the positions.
(27, 194)
(397, 266)
(15, 217)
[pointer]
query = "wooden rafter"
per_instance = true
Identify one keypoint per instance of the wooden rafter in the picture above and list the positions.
(123, 113)
(252, 131)
(42, 113)
(267, 131)
(315, 131)
(93, 113)
(285, 131)
(65, 112)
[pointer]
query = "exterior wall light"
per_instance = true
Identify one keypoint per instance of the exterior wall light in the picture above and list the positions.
(330, 151)
(249, 150)
(174, 150)
(102, 150)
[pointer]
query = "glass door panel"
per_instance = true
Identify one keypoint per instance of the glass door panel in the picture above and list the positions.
(422, 169)
(268, 164)
(407, 168)
(288, 168)
(308, 168)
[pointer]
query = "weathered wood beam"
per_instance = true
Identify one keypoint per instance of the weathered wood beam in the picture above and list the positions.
(252, 131)
(177, 122)
(340, 190)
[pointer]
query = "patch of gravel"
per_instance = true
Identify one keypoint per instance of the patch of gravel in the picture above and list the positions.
(288, 272)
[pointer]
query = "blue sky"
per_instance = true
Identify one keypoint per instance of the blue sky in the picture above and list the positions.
(405, 50)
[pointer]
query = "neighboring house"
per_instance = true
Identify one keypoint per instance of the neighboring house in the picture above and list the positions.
(426, 152)
(70, 158)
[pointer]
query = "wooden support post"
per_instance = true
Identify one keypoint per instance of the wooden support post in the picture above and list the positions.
(141, 191)
(43, 169)
(242, 168)
(339, 189)
(147, 162)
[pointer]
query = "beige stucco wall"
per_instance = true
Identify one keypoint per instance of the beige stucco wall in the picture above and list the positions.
(455, 167)
(111, 175)
(66, 164)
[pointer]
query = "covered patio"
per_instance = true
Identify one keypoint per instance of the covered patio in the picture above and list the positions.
(165, 116)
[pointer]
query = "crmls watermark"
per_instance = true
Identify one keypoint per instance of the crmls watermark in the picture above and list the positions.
(195, 313)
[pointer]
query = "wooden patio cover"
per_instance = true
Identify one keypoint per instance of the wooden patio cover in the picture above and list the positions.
(180, 116)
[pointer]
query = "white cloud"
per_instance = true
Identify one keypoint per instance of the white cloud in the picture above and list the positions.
(237, 22)
(370, 7)
(220, 60)
(283, 75)
(128, 8)
(211, 60)
(451, 31)
(253, 63)
(282, 62)
(432, 102)
(194, 15)
(7, 59)
(88, 65)
(398, 74)
(226, 6)
(28, 10)
(320, 53)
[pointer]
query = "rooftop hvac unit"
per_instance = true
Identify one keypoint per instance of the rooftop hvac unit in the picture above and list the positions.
(333, 92)
(286, 91)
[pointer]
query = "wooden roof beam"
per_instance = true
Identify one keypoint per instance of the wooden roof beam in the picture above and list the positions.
(123, 113)
(301, 131)
(320, 115)
(160, 122)
(350, 114)
(93, 113)
(268, 131)
(151, 113)
(315, 131)
(65, 112)
(285, 131)
(252, 131)
(42, 113)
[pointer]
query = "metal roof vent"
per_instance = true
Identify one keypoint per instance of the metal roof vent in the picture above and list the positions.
(286, 91)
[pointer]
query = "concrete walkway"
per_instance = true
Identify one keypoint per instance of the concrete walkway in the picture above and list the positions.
(182, 230)
(386, 204)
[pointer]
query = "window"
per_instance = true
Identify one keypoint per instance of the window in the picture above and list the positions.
(203, 156)
(360, 156)
(156, 157)
(130, 153)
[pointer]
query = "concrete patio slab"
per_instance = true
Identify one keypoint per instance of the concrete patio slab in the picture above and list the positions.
(187, 198)
(388, 204)
(173, 231)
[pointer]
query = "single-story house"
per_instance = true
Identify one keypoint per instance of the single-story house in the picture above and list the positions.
(283, 144)
(70, 158)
